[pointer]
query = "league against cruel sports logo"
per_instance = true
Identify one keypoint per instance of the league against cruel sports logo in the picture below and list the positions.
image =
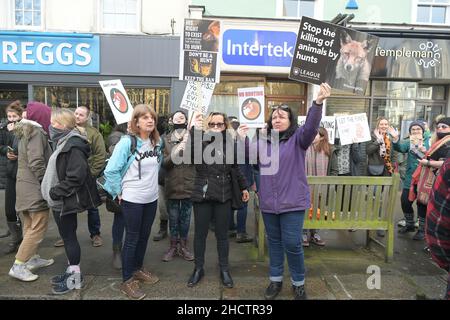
(119, 100)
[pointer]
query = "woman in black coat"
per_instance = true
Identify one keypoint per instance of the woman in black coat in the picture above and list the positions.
(212, 193)
(69, 189)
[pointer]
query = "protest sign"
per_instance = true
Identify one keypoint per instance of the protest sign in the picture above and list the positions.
(353, 128)
(251, 107)
(199, 51)
(197, 96)
(329, 53)
(329, 123)
(118, 100)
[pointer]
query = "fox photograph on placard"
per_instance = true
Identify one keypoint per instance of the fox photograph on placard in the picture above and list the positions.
(339, 56)
(199, 50)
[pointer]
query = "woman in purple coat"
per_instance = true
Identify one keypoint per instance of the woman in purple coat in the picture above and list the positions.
(284, 192)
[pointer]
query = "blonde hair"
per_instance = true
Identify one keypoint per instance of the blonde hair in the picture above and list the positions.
(213, 114)
(379, 119)
(64, 117)
(139, 111)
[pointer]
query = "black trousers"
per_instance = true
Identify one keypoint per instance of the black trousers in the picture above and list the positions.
(203, 213)
(67, 227)
(10, 199)
(408, 208)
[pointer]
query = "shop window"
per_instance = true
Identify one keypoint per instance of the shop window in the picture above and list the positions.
(395, 89)
(430, 92)
(298, 8)
(433, 11)
(28, 13)
(399, 113)
(341, 106)
(120, 15)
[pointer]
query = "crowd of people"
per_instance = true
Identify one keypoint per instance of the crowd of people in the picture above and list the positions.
(58, 162)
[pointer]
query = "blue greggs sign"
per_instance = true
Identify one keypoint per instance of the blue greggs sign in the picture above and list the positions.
(258, 47)
(49, 52)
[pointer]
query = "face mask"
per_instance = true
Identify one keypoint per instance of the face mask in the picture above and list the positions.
(57, 134)
(441, 135)
(179, 126)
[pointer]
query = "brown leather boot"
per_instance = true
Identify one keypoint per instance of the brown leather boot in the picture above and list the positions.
(184, 252)
(145, 276)
(131, 289)
(168, 256)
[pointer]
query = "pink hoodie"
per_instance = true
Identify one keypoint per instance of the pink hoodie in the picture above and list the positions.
(39, 112)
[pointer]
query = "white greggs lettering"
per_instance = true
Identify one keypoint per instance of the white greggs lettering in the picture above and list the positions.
(260, 50)
(45, 53)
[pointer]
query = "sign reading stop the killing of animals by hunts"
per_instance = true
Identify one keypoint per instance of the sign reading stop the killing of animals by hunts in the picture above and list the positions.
(339, 56)
(200, 48)
(118, 100)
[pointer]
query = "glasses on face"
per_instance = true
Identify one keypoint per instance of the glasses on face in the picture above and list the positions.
(442, 126)
(219, 125)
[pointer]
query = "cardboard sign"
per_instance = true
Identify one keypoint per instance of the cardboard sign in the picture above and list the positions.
(329, 123)
(200, 47)
(251, 107)
(326, 52)
(353, 128)
(118, 100)
(197, 96)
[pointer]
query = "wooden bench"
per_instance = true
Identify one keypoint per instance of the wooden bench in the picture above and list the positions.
(360, 203)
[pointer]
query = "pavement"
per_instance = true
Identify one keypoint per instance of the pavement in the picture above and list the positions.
(342, 270)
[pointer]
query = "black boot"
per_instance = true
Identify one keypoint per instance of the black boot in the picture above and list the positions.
(227, 281)
(409, 226)
(16, 237)
(196, 276)
(162, 233)
(273, 290)
(117, 257)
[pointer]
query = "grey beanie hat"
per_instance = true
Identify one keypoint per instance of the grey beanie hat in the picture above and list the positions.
(416, 123)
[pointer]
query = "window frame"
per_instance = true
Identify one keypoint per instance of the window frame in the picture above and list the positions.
(12, 17)
(138, 27)
(280, 9)
(431, 4)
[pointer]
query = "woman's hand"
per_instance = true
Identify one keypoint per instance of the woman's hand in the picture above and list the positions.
(10, 126)
(197, 121)
(242, 131)
(394, 133)
(324, 93)
(11, 156)
(245, 196)
(119, 198)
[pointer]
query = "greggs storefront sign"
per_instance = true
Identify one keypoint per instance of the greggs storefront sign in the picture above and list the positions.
(49, 52)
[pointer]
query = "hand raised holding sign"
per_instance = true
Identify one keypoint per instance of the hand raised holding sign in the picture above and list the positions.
(324, 93)
(196, 121)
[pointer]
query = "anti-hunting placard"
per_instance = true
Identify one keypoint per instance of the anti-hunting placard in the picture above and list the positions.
(326, 52)
(200, 48)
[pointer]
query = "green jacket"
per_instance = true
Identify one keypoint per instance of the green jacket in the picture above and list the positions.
(411, 161)
(98, 150)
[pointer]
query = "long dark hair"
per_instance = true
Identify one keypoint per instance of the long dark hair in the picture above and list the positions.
(294, 125)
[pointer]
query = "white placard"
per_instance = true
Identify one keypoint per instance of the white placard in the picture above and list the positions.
(353, 128)
(197, 96)
(118, 100)
(329, 123)
(251, 107)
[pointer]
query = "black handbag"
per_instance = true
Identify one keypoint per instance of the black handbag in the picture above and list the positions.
(112, 205)
(376, 169)
(236, 193)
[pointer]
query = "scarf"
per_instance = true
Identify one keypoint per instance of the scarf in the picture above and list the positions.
(387, 155)
(434, 148)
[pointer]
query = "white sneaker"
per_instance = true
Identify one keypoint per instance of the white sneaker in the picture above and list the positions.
(37, 262)
(401, 223)
(416, 224)
(21, 272)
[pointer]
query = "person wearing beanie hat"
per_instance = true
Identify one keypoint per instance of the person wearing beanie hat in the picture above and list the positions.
(416, 144)
(33, 155)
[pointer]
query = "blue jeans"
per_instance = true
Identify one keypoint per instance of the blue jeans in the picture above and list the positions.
(284, 234)
(241, 220)
(118, 228)
(179, 217)
(94, 222)
(138, 224)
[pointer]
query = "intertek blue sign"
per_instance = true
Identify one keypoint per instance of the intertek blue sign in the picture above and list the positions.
(49, 52)
(258, 48)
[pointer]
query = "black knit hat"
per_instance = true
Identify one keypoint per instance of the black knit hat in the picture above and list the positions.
(416, 123)
(445, 120)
